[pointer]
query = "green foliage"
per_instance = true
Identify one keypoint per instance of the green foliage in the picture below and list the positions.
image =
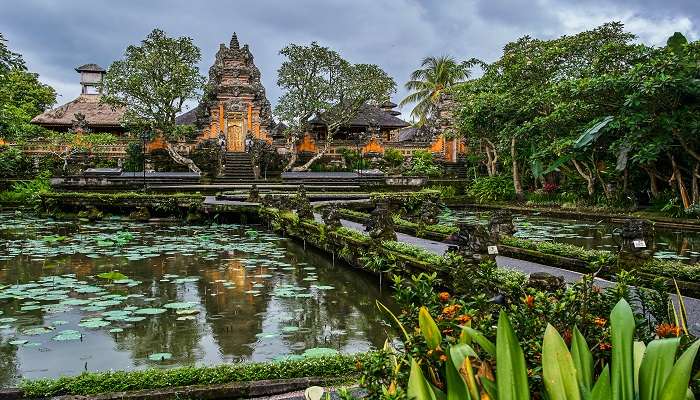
(89, 383)
(27, 192)
(154, 80)
(353, 159)
(491, 188)
(22, 96)
(416, 252)
(13, 163)
(559, 249)
(393, 157)
(423, 163)
(134, 157)
(353, 234)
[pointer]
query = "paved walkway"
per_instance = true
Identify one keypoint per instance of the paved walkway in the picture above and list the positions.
(527, 267)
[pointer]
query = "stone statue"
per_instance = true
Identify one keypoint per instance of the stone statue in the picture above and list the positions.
(79, 124)
(545, 282)
(254, 194)
(501, 224)
(302, 205)
(637, 242)
(331, 217)
(429, 212)
(381, 225)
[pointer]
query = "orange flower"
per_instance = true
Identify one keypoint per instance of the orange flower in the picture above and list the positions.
(443, 358)
(529, 301)
(668, 330)
(451, 310)
(600, 321)
(444, 296)
(464, 318)
(605, 346)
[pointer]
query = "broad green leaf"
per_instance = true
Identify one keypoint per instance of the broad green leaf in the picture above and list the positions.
(511, 371)
(622, 371)
(583, 360)
(638, 350)
(464, 338)
(489, 387)
(592, 134)
(676, 386)
(418, 387)
(429, 329)
(459, 355)
(394, 320)
(482, 341)
(558, 368)
(601, 389)
(456, 386)
(558, 163)
(656, 365)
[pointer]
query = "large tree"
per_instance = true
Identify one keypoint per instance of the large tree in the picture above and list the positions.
(317, 82)
(153, 81)
(427, 84)
(22, 96)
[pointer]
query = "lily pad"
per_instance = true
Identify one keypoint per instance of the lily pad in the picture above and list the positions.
(67, 335)
(112, 276)
(18, 342)
(320, 352)
(160, 356)
(180, 306)
(150, 311)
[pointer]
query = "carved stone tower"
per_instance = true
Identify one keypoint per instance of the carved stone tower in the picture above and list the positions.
(235, 104)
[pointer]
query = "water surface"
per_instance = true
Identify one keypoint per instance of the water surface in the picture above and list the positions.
(191, 295)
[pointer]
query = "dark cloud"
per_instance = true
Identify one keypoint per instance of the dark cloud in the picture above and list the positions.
(56, 36)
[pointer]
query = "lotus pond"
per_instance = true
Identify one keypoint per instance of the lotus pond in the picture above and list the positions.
(78, 296)
(669, 244)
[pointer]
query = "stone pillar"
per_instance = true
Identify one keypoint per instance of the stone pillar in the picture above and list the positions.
(636, 245)
(381, 225)
(302, 205)
(473, 241)
(331, 217)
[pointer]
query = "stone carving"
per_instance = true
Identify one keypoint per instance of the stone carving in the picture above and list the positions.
(254, 194)
(331, 217)
(79, 124)
(501, 224)
(637, 241)
(472, 241)
(545, 282)
(302, 205)
(429, 212)
(381, 225)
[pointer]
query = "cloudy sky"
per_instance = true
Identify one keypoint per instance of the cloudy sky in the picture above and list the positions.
(56, 36)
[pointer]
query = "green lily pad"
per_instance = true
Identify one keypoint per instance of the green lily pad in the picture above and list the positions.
(67, 335)
(320, 352)
(116, 330)
(160, 356)
(18, 342)
(112, 276)
(180, 306)
(94, 323)
(37, 331)
(150, 311)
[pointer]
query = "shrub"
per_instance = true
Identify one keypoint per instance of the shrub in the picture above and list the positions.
(91, 383)
(423, 163)
(491, 188)
(13, 163)
(393, 157)
(27, 192)
(134, 157)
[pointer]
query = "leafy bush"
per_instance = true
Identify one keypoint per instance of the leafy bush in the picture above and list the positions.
(91, 383)
(393, 157)
(559, 249)
(491, 188)
(13, 163)
(416, 252)
(446, 191)
(353, 159)
(423, 163)
(672, 269)
(27, 192)
(134, 157)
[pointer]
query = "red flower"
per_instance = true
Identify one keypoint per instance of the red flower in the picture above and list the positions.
(529, 301)
(444, 296)
(668, 330)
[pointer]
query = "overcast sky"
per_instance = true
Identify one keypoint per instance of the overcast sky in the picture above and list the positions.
(55, 36)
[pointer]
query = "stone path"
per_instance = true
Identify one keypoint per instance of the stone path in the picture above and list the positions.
(692, 304)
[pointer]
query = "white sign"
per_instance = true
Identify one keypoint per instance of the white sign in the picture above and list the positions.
(639, 243)
(493, 250)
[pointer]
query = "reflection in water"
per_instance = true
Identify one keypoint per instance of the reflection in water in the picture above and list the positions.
(248, 295)
(669, 244)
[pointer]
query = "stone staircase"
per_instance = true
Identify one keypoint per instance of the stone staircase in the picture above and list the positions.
(239, 167)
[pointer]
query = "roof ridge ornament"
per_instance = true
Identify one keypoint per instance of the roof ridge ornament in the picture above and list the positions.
(234, 42)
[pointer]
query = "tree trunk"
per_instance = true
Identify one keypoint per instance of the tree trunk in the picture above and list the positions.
(587, 176)
(695, 188)
(653, 184)
(182, 160)
(517, 183)
(491, 158)
(679, 181)
(313, 159)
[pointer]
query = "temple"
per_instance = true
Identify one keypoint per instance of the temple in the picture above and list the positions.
(235, 104)
(86, 110)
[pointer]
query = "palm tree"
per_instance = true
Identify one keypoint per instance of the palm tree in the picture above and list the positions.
(428, 82)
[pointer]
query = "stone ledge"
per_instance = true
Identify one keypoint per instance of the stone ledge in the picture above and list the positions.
(234, 390)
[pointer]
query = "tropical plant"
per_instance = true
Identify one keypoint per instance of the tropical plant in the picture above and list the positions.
(423, 163)
(153, 81)
(491, 188)
(393, 157)
(637, 371)
(427, 84)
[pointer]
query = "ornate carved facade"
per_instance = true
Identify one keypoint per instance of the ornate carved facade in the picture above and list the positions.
(235, 104)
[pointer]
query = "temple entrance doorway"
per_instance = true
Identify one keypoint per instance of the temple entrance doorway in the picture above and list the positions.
(234, 137)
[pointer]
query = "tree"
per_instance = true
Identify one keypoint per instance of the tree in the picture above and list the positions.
(153, 81)
(22, 96)
(428, 83)
(317, 82)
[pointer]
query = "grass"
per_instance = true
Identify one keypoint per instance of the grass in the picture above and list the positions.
(92, 383)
